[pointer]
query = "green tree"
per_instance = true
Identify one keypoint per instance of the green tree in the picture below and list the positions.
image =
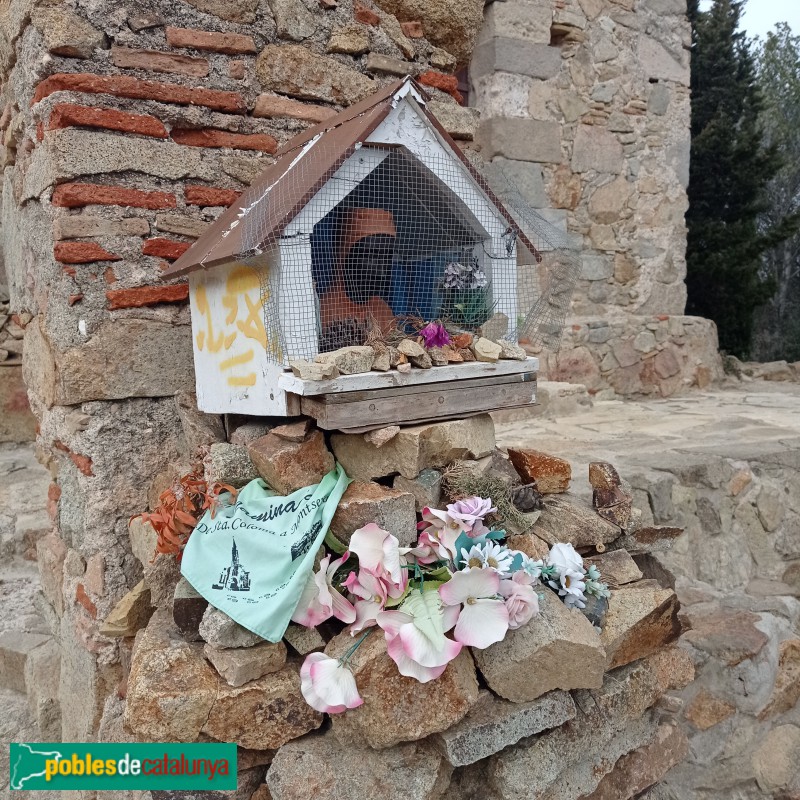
(730, 169)
(777, 328)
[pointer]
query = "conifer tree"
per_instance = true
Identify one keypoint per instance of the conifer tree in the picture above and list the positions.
(730, 169)
(777, 329)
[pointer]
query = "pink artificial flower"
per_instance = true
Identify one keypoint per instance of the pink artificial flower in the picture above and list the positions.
(327, 685)
(440, 531)
(470, 513)
(484, 618)
(415, 636)
(379, 552)
(423, 553)
(522, 602)
(371, 593)
(435, 335)
(320, 600)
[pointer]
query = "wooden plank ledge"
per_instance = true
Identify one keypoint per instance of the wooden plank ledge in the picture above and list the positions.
(417, 377)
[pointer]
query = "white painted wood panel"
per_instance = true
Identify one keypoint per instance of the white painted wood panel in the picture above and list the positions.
(379, 380)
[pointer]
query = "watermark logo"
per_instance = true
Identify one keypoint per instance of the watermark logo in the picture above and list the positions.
(110, 766)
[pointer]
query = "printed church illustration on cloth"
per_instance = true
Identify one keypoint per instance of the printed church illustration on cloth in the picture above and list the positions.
(234, 578)
(367, 220)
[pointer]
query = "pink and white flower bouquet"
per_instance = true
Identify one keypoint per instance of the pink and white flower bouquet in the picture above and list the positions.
(459, 586)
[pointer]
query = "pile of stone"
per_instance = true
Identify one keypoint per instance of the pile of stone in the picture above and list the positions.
(407, 354)
(558, 709)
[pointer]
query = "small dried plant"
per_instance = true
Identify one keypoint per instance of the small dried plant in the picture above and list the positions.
(179, 509)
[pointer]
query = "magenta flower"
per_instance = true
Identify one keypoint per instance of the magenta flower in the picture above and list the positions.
(435, 335)
(328, 685)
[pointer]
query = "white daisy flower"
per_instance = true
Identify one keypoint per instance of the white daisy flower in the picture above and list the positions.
(488, 556)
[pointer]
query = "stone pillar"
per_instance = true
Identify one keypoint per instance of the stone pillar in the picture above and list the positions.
(125, 131)
(586, 104)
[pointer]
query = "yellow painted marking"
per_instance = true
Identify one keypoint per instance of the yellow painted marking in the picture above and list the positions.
(253, 326)
(234, 361)
(246, 380)
(201, 338)
(214, 343)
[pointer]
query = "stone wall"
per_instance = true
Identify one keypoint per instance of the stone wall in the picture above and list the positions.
(585, 103)
(126, 128)
(726, 468)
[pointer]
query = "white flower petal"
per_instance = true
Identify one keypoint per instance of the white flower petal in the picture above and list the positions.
(482, 623)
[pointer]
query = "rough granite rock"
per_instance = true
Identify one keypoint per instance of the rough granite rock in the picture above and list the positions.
(728, 634)
(349, 360)
(67, 34)
(239, 665)
(512, 351)
(220, 631)
(199, 429)
(639, 622)
(304, 640)
(399, 709)
(603, 475)
(232, 10)
(297, 71)
(415, 448)
(161, 572)
(426, 488)
(550, 473)
(231, 464)
(570, 760)
(130, 614)
(380, 436)
(410, 348)
(318, 768)
(263, 714)
(558, 649)
(493, 724)
(449, 24)
(563, 520)
(616, 567)
(293, 431)
(786, 691)
(530, 544)
(649, 539)
(287, 466)
(171, 687)
(365, 502)
(672, 668)
(707, 710)
(486, 350)
(776, 761)
(636, 771)
(311, 371)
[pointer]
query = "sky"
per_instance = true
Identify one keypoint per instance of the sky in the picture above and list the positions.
(760, 16)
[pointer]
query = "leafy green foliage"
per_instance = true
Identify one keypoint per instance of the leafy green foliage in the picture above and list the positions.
(731, 166)
(777, 330)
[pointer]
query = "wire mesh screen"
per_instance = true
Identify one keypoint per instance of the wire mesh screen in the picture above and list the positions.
(368, 245)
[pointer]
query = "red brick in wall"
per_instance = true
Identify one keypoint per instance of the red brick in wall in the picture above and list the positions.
(137, 89)
(74, 195)
(65, 115)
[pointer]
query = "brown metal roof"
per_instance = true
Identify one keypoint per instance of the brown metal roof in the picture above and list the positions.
(223, 241)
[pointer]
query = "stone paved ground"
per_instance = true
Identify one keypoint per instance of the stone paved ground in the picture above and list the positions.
(23, 516)
(734, 421)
